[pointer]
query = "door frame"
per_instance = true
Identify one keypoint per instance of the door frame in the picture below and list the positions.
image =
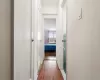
(64, 7)
(48, 16)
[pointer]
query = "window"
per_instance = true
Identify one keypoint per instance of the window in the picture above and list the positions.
(52, 36)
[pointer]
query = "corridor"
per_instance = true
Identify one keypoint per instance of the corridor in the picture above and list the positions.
(50, 70)
(72, 29)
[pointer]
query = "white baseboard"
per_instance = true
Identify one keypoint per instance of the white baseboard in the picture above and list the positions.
(63, 74)
(62, 71)
(36, 77)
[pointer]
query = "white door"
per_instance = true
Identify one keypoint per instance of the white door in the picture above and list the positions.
(59, 47)
(64, 41)
(22, 39)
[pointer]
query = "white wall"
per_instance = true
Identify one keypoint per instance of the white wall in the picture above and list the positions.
(49, 10)
(49, 6)
(83, 51)
(50, 16)
(49, 24)
(5, 39)
(22, 38)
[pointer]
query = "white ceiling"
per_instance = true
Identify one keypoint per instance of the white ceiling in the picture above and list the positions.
(51, 3)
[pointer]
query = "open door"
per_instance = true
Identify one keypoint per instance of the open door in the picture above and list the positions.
(64, 40)
(22, 39)
(64, 52)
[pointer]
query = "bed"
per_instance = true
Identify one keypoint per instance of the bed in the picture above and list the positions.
(50, 47)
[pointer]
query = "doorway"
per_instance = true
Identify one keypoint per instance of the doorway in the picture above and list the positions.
(50, 38)
(50, 69)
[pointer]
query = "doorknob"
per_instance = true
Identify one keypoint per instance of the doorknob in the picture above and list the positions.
(32, 40)
(63, 40)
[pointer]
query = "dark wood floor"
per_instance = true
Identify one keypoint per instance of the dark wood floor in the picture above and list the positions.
(50, 53)
(50, 70)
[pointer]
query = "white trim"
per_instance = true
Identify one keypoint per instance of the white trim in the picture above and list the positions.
(42, 18)
(63, 74)
(36, 77)
(49, 13)
(50, 16)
